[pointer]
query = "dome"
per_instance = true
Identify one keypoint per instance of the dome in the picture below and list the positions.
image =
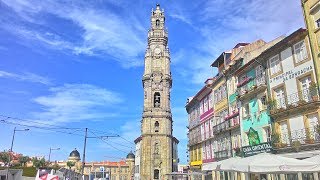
(75, 153)
(130, 155)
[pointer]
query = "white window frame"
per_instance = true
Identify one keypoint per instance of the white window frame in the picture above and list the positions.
(300, 51)
(274, 63)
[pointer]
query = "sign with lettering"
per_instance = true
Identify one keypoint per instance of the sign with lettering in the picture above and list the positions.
(256, 149)
(291, 74)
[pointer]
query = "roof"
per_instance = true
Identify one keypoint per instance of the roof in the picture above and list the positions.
(200, 94)
(240, 44)
(138, 139)
(107, 163)
(220, 59)
(74, 153)
(130, 155)
(292, 38)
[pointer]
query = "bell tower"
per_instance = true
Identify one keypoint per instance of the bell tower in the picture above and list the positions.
(157, 141)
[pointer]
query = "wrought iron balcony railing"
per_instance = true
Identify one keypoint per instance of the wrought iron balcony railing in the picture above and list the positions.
(250, 86)
(221, 155)
(301, 136)
(221, 127)
(294, 100)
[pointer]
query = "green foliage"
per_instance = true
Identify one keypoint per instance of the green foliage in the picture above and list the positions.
(27, 171)
(296, 145)
(4, 157)
(313, 89)
(55, 166)
(272, 103)
(23, 160)
(38, 163)
(70, 164)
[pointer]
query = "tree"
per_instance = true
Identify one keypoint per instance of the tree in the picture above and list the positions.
(23, 160)
(4, 157)
(55, 167)
(70, 164)
(38, 163)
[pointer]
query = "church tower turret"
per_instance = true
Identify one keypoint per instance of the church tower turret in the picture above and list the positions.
(157, 142)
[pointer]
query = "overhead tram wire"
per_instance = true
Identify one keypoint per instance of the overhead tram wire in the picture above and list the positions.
(105, 132)
(40, 127)
(130, 147)
(102, 139)
(37, 122)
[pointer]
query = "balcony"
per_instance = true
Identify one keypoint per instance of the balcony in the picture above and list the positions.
(194, 140)
(233, 120)
(221, 127)
(297, 140)
(251, 86)
(221, 155)
(302, 100)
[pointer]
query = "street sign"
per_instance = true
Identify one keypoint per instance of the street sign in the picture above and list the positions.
(102, 169)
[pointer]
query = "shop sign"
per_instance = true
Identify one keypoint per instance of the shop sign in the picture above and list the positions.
(256, 149)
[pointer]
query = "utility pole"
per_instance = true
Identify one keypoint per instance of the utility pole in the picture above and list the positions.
(85, 145)
(84, 152)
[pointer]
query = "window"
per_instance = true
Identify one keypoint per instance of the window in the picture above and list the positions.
(156, 174)
(262, 103)
(300, 51)
(205, 104)
(207, 129)
(210, 100)
(245, 110)
(305, 84)
(260, 75)
(156, 126)
(280, 98)
(156, 99)
(317, 23)
(267, 134)
(156, 147)
(274, 64)
(157, 22)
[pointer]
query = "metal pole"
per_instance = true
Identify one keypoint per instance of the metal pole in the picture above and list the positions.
(49, 154)
(10, 151)
(84, 152)
(14, 132)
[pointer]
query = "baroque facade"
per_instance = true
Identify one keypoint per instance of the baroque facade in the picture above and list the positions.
(158, 148)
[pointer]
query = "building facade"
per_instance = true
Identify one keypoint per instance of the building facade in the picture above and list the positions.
(294, 99)
(157, 158)
(118, 170)
(311, 12)
(194, 134)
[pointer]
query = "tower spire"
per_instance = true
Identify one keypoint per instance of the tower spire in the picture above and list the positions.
(158, 146)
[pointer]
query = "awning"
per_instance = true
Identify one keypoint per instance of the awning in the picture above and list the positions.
(271, 163)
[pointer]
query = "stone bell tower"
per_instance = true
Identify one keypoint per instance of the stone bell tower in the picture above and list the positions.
(157, 142)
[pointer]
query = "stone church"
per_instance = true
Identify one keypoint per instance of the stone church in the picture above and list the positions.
(156, 148)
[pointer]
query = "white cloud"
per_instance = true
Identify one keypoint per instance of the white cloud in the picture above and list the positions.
(102, 32)
(27, 76)
(77, 102)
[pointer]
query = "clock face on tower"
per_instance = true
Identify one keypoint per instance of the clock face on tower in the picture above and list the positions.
(157, 51)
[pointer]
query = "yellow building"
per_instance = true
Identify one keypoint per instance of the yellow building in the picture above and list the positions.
(311, 11)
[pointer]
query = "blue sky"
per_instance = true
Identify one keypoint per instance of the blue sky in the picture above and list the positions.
(77, 64)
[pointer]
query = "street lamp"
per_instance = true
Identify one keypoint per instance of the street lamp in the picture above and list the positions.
(9, 158)
(51, 150)
(14, 132)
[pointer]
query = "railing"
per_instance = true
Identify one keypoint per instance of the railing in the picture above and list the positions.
(224, 154)
(294, 100)
(194, 140)
(226, 125)
(221, 127)
(301, 136)
(248, 86)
